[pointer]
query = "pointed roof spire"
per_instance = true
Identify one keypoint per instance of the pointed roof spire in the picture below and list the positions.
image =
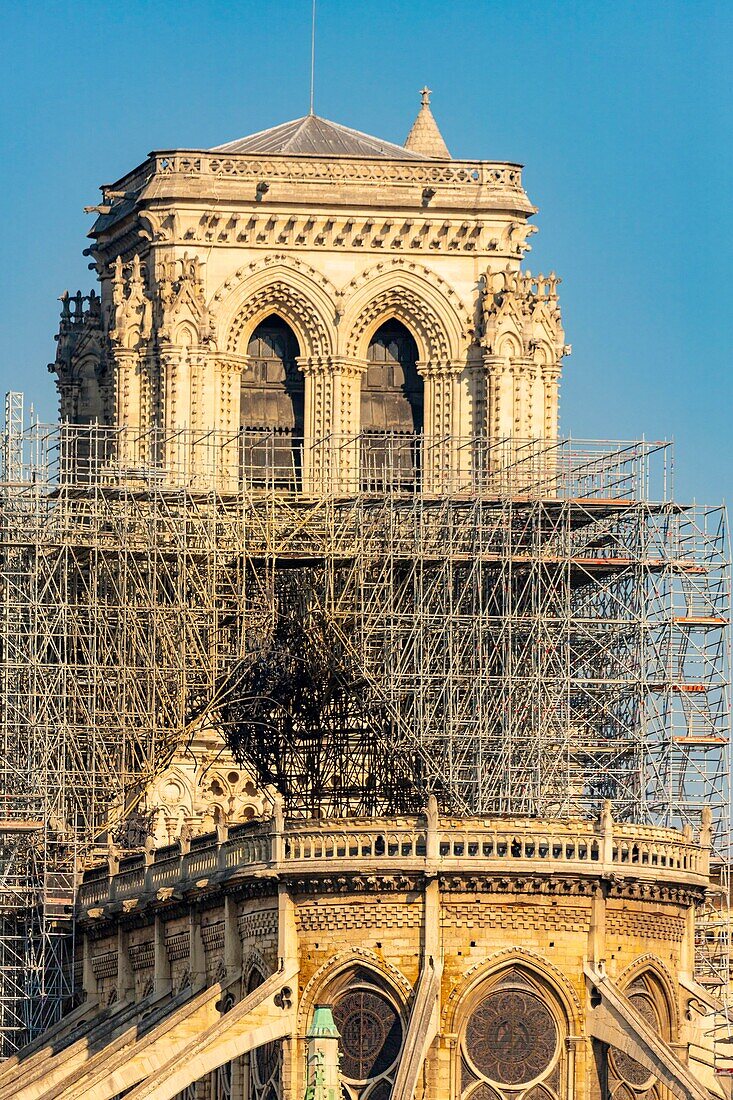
(425, 137)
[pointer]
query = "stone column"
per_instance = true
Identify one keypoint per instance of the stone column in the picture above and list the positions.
(68, 400)
(551, 387)
(196, 951)
(479, 385)
(440, 439)
(125, 976)
(173, 386)
(232, 939)
(221, 398)
(576, 1047)
(318, 423)
(521, 373)
(597, 930)
(127, 387)
(536, 401)
(500, 417)
(287, 953)
(332, 415)
(88, 979)
(161, 962)
(189, 414)
(127, 404)
(473, 457)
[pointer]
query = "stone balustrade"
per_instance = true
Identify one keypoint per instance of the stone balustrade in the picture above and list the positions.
(599, 848)
(488, 175)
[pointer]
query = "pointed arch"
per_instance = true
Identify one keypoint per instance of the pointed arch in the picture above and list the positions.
(651, 965)
(185, 334)
(415, 296)
(509, 345)
(370, 1011)
(490, 972)
(278, 285)
(512, 1015)
(340, 965)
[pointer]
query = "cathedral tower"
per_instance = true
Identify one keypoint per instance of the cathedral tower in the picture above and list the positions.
(315, 283)
(384, 727)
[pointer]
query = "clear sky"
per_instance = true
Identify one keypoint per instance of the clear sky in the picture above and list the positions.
(621, 112)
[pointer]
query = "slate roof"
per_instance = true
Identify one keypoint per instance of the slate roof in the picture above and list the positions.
(315, 136)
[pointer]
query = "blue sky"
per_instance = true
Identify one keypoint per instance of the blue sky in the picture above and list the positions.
(621, 113)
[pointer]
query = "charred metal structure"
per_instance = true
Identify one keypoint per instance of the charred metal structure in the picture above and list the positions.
(308, 499)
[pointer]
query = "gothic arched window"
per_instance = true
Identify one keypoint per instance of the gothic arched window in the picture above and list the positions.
(265, 1062)
(392, 404)
(511, 1044)
(272, 406)
(627, 1077)
(371, 1033)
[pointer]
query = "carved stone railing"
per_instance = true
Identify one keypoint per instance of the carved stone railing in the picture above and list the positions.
(498, 176)
(596, 848)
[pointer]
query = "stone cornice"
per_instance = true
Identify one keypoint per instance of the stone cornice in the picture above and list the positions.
(374, 231)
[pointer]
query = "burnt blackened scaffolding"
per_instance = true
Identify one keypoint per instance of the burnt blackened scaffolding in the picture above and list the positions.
(517, 628)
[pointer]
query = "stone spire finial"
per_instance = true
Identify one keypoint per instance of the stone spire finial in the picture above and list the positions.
(425, 137)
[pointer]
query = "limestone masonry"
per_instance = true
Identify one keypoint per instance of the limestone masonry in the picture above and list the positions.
(378, 732)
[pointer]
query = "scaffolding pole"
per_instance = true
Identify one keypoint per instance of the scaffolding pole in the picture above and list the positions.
(519, 628)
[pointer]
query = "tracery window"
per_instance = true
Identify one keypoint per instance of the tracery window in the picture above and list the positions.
(265, 1062)
(392, 404)
(272, 409)
(371, 1030)
(221, 1082)
(626, 1077)
(511, 1046)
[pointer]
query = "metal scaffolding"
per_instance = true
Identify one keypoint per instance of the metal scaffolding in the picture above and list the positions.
(518, 628)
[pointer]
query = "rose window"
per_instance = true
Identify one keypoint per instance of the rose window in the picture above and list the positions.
(371, 1038)
(511, 1039)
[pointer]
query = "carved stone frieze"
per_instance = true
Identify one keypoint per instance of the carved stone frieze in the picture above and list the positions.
(308, 232)
(280, 297)
(355, 884)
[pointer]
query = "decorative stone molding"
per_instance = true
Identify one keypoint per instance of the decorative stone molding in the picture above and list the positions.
(230, 228)
(131, 318)
(652, 964)
(280, 298)
(524, 342)
(79, 362)
(413, 295)
(499, 177)
(503, 960)
(182, 316)
(266, 264)
(255, 960)
(277, 284)
(345, 960)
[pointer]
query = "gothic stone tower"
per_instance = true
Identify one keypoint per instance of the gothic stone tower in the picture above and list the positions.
(326, 291)
(315, 282)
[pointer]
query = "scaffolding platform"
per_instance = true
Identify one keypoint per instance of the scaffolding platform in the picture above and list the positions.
(517, 628)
